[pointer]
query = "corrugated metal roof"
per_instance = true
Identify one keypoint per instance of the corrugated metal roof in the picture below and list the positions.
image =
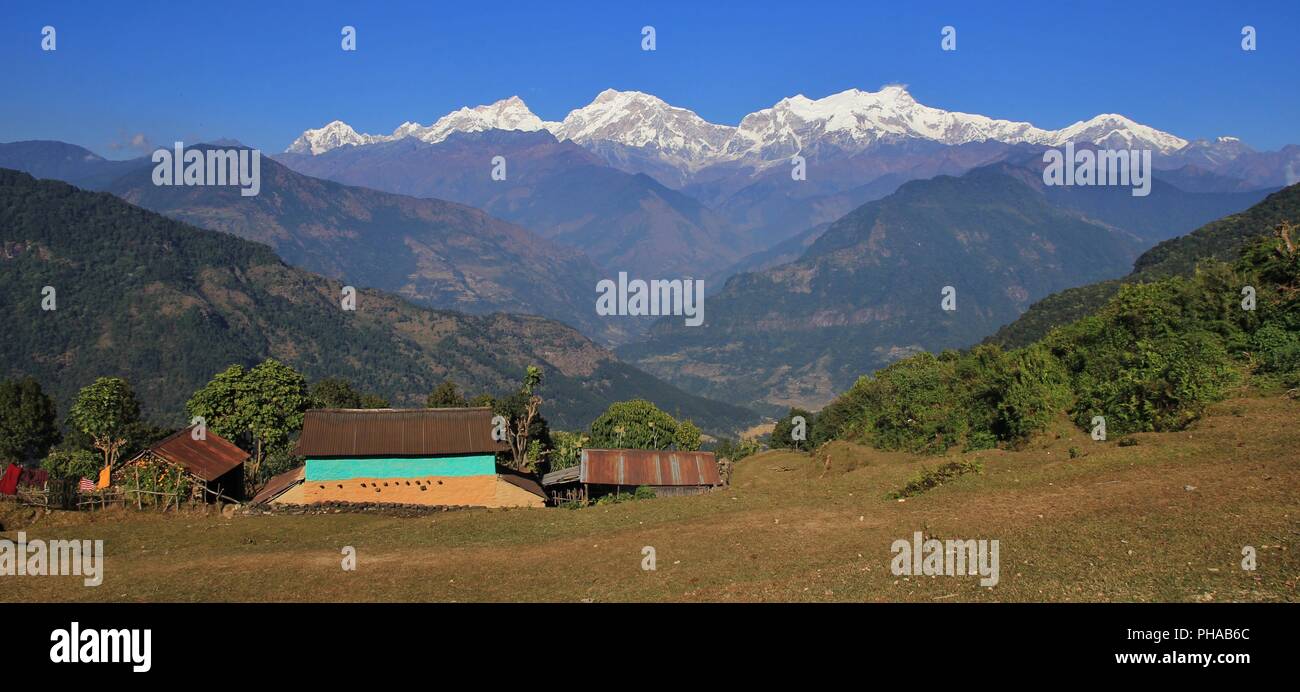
(571, 474)
(648, 467)
(397, 432)
(209, 459)
(279, 485)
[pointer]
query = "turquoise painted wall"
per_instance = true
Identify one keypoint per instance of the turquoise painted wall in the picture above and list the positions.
(336, 469)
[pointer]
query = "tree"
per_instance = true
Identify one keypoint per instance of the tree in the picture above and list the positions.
(635, 424)
(106, 411)
(28, 421)
(566, 449)
(446, 395)
(523, 409)
(687, 436)
(265, 405)
(783, 431)
(334, 392)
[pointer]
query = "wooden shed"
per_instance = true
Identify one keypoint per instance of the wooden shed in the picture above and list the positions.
(215, 462)
(607, 471)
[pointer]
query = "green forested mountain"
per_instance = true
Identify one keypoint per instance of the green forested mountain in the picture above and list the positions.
(1222, 240)
(870, 289)
(167, 306)
(431, 252)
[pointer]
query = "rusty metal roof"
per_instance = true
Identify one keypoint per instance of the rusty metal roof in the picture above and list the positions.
(397, 432)
(648, 467)
(209, 459)
(279, 485)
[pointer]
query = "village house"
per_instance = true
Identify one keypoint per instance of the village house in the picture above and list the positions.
(440, 457)
(607, 471)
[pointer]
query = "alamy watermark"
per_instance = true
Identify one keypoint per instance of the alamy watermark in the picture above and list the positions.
(639, 298)
(1126, 167)
(90, 645)
(39, 558)
(187, 167)
(953, 558)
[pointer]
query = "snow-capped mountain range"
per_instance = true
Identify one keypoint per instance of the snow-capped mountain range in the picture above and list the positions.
(850, 121)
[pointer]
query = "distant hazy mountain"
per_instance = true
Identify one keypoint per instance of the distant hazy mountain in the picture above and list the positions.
(432, 252)
(624, 222)
(168, 305)
(62, 161)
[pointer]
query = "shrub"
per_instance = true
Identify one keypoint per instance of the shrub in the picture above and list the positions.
(928, 479)
(74, 463)
(566, 449)
(1148, 361)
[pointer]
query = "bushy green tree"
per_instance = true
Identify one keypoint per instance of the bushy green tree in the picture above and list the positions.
(105, 411)
(262, 406)
(334, 392)
(635, 424)
(687, 436)
(782, 432)
(28, 421)
(446, 395)
(1273, 268)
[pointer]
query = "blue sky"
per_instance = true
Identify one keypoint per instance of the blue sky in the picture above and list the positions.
(261, 72)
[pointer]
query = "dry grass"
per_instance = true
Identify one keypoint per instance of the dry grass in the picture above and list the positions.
(1115, 524)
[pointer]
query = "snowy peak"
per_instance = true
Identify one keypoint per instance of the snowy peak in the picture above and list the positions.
(854, 119)
(850, 121)
(506, 114)
(1117, 131)
(333, 135)
(636, 119)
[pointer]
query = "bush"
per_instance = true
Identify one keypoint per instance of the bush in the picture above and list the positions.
(566, 449)
(735, 450)
(928, 479)
(150, 475)
(74, 463)
(642, 492)
(1150, 360)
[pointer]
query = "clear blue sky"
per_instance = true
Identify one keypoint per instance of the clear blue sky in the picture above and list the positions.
(261, 72)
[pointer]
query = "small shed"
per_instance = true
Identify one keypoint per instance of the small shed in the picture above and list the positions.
(217, 463)
(606, 471)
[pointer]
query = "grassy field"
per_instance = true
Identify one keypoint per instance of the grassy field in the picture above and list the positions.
(1163, 520)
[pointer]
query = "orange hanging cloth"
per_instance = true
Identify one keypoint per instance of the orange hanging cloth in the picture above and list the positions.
(105, 478)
